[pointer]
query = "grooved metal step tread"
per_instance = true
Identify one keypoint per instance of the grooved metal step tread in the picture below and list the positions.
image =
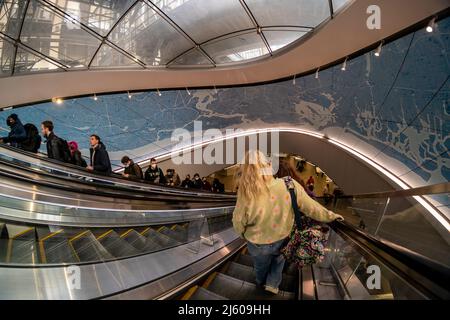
(161, 239)
(117, 246)
(204, 294)
(236, 289)
(133, 238)
(180, 236)
(88, 248)
(247, 260)
(57, 251)
(247, 273)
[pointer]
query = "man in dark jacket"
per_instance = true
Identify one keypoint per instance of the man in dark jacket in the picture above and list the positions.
(197, 183)
(32, 143)
(99, 156)
(57, 148)
(187, 182)
(17, 133)
(132, 170)
(154, 174)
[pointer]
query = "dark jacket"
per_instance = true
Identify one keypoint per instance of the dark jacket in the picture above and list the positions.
(155, 175)
(32, 143)
(206, 185)
(187, 183)
(134, 170)
(16, 135)
(55, 148)
(77, 159)
(100, 159)
(197, 184)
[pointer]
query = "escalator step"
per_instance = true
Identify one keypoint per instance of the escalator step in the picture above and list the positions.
(161, 239)
(204, 294)
(236, 289)
(88, 248)
(133, 238)
(180, 236)
(22, 246)
(117, 246)
(246, 273)
(246, 259)
(55, 248)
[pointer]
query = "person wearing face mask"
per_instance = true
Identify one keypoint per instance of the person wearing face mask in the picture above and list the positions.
(154, 174)
(99, 156)
(172, 178)
(17, 133)
(57, 148)
(197, 182)
(187, 182)
(205, 184)
(132, 170)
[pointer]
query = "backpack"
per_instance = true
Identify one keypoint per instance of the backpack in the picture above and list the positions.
(33, 140)
(65, 151)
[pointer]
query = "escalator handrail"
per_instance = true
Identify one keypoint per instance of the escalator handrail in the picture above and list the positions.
(115, 179)
(428, 276)
(110, 190)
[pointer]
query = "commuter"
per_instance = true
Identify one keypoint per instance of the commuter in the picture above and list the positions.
(132, 170)
(57, 148)
(264, 217)
(76, 157)
(197, 182)
(217, 186)
(99, 156)
(17, 134)
(205, 184)
(172, 178)
(154, 174)
(187, 182)
(32, 143)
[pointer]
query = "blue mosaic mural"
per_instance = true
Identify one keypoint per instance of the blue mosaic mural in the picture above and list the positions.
(394, 108)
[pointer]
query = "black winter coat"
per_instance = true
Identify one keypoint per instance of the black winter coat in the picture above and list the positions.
(16, 135)
(153, 175)
(55, 148)
(100, 159)
(77, 159)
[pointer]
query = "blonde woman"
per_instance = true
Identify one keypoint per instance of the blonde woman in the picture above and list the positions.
(264, 217)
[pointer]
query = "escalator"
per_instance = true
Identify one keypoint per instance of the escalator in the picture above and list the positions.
(130, 240)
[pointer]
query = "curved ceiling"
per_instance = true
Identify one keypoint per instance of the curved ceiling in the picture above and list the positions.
(85, 34)
(346, 33)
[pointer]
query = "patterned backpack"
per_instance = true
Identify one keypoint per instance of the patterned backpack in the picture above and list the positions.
(308, 237)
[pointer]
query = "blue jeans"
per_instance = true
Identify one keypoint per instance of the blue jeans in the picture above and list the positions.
(268, 262)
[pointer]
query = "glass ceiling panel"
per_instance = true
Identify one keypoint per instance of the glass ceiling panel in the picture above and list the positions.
(98, 15)
(110, 57)
(192, 57)
(28, 62)
(6, 57)
(57, 37)
(147, 36)
(306, 13)
(204, 20)
(245, 46)
(11, 15)
(279, 38)
(337, 4)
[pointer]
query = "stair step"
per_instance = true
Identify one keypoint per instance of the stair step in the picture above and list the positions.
(247, 273)
(22, 246)
(161, 239)
(247, 260)
(88, 248)
(178, 235)
(117, 246)
(134, 239)
(236, 289)
(54, 247)
(204, 294)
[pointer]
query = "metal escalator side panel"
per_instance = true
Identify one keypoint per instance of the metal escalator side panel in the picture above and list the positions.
(88, 248)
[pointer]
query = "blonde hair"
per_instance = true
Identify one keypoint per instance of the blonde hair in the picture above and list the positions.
(253, 175)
